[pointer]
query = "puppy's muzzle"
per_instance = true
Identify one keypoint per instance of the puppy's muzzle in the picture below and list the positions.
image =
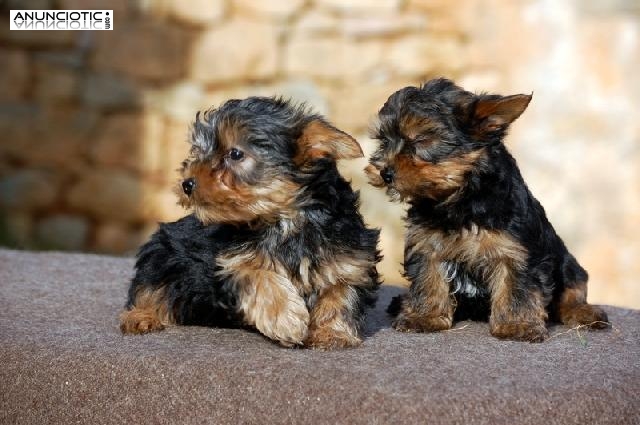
(188, 185)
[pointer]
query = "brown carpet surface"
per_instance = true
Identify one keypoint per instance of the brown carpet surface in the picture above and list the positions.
(63, 360)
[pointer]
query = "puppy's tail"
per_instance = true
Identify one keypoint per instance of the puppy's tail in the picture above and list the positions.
(395, 305)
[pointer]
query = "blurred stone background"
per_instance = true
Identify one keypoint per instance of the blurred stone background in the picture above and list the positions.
(93, 124)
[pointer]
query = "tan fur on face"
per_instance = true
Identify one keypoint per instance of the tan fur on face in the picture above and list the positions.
(150, 312)
(417, 178)
(220, 197)
(225, 191)
(230, 134)
(412, 126)
(268, 298)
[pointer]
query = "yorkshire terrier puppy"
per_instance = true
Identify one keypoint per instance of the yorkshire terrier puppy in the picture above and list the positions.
(478, 243)
(275, 241)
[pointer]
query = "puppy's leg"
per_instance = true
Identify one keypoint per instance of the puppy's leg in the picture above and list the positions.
(333, 319)
(149, 311)
(271, 303)
(572, 308)
(429, 305)
(267, 298)
(517, 313)
(346, 284)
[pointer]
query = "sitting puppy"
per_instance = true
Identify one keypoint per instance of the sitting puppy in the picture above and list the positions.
(477, 240)
(275, 241)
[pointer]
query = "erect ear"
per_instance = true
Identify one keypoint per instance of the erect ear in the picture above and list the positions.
(497, 112)
(320, 140)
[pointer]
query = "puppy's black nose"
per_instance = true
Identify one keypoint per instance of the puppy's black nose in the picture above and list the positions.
(387, 175)
(188, 185)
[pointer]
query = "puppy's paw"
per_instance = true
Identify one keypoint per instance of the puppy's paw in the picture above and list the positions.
(326, 338)
(139, 321)
(289, 327)
(412, 323)
(520, 331)
(586, 315)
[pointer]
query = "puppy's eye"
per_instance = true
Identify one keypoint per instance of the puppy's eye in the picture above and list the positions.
(236, 154)
(384, 144)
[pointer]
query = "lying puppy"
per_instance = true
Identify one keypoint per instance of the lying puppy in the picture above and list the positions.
(275, 241)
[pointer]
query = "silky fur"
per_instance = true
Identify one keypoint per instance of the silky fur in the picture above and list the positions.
(275, 241)
(478, 243)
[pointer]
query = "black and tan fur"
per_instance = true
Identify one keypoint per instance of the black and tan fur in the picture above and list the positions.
(478, 243)
(275, 241)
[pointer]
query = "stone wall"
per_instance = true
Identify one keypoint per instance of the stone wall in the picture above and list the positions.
(93, 124)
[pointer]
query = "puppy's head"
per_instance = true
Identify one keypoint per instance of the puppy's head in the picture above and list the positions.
(432, 137)
(250, 160)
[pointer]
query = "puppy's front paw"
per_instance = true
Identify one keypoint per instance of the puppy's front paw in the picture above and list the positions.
(292, 331)
(520, 331)
(288, 326)
(139, 321)
(326, 338)
(412, 323)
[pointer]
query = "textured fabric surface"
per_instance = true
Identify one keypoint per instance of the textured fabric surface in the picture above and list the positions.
(63, 360)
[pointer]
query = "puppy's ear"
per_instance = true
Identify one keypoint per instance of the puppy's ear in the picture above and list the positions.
(495, 113)
(321, 140)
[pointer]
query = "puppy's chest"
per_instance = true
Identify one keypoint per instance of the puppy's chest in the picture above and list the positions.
(464, 256)
(471, 244)
(461, 280)
(251, 267)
